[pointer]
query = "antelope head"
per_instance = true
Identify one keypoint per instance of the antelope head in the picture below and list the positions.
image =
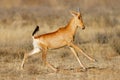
(78, 19)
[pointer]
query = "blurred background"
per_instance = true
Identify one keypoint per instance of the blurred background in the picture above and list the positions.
(100, 39)
(103, 12)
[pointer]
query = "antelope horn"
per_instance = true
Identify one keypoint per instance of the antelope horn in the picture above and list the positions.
(79, 10)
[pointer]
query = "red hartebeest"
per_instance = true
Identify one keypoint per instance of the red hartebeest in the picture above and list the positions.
(60, 38)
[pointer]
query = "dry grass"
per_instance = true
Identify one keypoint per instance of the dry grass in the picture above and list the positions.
(100, 39)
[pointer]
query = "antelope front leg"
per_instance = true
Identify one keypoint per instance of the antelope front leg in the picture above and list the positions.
(77, 48)
(72, 49)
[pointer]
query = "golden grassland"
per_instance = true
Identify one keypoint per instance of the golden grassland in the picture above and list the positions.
(100, 39)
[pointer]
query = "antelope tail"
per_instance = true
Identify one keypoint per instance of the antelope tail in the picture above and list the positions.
(36, 30)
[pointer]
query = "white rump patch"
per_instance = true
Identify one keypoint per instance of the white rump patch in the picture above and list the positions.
(34, 51)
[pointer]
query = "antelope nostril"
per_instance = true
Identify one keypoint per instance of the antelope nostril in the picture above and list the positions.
(83, 28)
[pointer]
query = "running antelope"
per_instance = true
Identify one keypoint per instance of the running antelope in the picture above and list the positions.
(62, 37)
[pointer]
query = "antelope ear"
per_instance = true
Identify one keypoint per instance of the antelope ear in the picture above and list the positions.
(74, 13)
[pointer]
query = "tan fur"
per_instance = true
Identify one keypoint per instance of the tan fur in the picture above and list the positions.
(62, 37)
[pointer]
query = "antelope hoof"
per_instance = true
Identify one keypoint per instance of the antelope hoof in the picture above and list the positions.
(21, 68)
(94, 60)
(84, 69)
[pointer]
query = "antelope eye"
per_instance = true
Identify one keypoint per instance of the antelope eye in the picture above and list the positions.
(79, 17)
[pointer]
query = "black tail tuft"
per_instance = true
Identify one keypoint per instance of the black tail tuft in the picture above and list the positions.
(36, 29)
